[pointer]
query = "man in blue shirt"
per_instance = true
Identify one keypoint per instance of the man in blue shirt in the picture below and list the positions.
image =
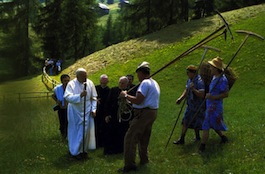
(61, 104)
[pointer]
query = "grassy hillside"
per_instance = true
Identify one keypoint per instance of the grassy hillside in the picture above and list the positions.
(168, 38)
(29, 135)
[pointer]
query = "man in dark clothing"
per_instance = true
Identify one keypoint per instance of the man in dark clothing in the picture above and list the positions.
(103, 92)
(61, 104)
(131, 86)
(115, 126)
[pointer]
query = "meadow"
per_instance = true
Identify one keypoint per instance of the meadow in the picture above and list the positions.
(30, 141)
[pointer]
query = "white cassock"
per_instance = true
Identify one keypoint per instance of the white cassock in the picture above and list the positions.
(76, 116)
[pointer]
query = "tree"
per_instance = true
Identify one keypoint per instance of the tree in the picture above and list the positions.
(108, 33)
(173, 12)
(15, 22)
(50, 28)
(68, 28)
(184, 12)
(79, 20)
(146, 16)
(132, 16)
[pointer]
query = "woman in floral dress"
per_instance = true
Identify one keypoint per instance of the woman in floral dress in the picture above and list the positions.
(218, 90)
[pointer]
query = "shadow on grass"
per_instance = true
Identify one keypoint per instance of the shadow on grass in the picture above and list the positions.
(65, 161)
(212, 151)
(180, 31)
(95, 158)
(116, 161)
(59, 150)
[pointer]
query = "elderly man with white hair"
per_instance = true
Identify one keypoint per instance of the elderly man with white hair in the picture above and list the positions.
(82, 102)
(116, 127)
(103, 92)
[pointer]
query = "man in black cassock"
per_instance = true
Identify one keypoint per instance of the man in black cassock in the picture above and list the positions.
(131, 86)
(115, 127)
(103, 92)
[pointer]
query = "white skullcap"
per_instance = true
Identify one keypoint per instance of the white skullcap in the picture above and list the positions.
(80, 70)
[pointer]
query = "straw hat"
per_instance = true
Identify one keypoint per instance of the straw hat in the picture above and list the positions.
(217, 63)
(192, 68)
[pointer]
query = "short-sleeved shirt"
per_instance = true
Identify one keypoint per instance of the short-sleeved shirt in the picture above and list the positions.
(59, 92)
(150, 89)
(194, 113)
(193, 101)
(214, 108)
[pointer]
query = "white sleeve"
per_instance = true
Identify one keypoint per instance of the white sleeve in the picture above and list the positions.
(69, 94)
(93, 97)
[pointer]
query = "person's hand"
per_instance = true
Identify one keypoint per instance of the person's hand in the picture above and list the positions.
(107, 119)
(123, 94)
(84, 93)
(178, 101)
(98, 101)
(93, 114)
(209, 96)
(192, 86)
(59, 103)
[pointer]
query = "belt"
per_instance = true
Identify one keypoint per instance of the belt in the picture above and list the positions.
(146, 108)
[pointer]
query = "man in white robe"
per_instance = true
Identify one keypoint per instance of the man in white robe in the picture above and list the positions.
(75, 94)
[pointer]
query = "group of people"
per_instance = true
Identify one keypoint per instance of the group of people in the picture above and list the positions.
(94, 116)
(52, 66)
(198, 114)
(110, 128)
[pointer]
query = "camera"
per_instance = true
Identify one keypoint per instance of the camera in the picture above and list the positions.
(56, 108)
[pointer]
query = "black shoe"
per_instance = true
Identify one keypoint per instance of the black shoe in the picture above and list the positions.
(202, 148)
(84, 155)
(179, 142)
(144, 162)
(77, 157)
(127, 169)
(224, 139)
(197, 139)
(64, 136)
(80, 156)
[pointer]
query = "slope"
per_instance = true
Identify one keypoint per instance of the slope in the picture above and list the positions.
(32, 124)
(168, 37)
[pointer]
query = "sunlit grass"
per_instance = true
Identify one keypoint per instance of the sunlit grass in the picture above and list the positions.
(31, 143)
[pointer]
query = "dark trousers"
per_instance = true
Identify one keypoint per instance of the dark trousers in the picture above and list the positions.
(114, 137)
(62, 115)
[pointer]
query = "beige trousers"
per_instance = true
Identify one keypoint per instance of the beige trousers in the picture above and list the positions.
(139, 134)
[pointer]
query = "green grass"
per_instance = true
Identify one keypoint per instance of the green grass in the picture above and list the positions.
(29, 136)
(9, 89)
(172, 40)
